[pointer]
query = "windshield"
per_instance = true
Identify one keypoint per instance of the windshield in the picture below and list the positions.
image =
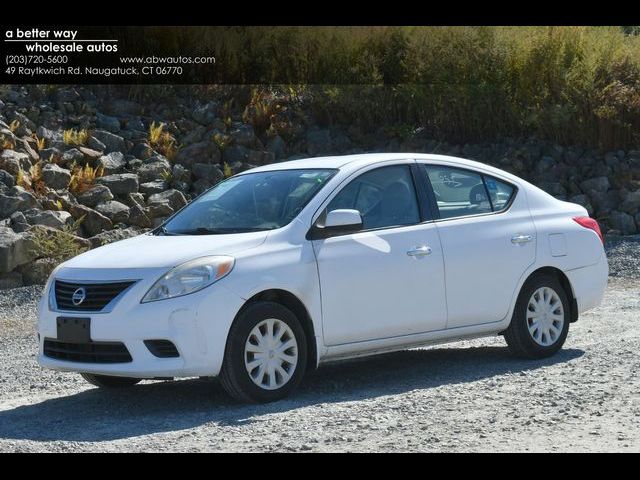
(249, 203)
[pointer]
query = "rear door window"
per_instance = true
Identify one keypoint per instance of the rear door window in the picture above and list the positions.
(461, 193)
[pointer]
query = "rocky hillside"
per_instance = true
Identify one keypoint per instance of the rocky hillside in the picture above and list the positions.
(84, 166)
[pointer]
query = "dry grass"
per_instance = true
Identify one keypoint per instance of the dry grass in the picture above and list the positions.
(83, 178)
(162, 141)
(32, 180)
(75, 137)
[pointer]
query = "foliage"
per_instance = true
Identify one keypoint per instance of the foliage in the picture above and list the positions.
(162, 141)
(226, 170)
(57, 245)
(32, 180)
(75, 137)
(83, 178)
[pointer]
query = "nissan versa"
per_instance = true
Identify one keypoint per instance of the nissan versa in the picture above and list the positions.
(283, 267)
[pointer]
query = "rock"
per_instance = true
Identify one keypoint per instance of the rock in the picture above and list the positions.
(138, 216)
(603, 202)
(631, 202)
(26, 147)
(117, 212)
(93, 222)
(111, 124)
(56, 177)
(212, 173)
(151, 172)
(95, 195)
(598, 184)
(10, 280)
(205, 114)
(68, 95)
(277, 146)
(17, 199)
(95, 144)
(623, 222)
(38, 271)
(157, 186)
(179, 173)
(201, 152)
(23, 119)
(112, 162)
(113, 236)
(141, 150)
(259, 157)
(51, 136)
(18, 222)
(7, 179)
(160, 209)
(91, 156)
(120, 107)
(49, 218)
(582, 199)
(134, 124)
(50, 154)
(15, 249)
(120, 183)
(235, 153)
(72, 156)
(13, 161)
(175, 198)
(136, 198)
(318, 142)
(544, 164)
(111, 142)
(181, 186)
(244, 135)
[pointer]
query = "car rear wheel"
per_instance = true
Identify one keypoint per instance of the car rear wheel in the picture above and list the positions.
(540, 321)
(266, 354)
(108, 381)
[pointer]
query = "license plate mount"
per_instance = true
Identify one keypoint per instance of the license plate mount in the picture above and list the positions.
(73, 330)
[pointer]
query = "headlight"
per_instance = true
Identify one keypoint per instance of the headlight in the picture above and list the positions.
(190, 277)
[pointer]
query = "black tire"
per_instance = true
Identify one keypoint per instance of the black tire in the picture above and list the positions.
(108, 381)
(235, 378)
(520, 341)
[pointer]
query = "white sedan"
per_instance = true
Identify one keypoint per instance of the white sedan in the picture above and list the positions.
(283, 267)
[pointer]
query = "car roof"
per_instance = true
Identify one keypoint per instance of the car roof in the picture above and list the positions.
(356, 161)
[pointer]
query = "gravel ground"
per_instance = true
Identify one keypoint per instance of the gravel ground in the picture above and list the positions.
(465, 396)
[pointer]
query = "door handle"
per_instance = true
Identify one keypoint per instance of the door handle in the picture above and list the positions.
(520, 239)
(420, 251)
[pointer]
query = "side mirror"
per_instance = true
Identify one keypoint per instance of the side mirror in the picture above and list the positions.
(336, 222)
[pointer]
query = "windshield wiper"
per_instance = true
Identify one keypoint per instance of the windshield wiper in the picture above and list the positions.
(161, 231)
(217, 231)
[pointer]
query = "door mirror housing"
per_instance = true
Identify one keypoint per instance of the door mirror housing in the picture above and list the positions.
(336, 222)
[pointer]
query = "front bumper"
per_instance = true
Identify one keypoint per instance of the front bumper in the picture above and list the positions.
(196, 324)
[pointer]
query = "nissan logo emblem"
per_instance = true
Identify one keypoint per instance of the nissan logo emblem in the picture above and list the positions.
(79, 296)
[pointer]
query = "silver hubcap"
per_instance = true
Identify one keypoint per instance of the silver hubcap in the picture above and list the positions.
(271, 354)
(545, 316)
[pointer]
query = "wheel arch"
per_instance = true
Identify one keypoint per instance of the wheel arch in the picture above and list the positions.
(293, 303)
(566, 285)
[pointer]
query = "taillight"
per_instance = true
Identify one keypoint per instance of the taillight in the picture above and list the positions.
(591, 224)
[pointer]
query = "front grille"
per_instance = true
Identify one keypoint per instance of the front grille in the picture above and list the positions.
(91, 352)
(97, 295)
(162, 348)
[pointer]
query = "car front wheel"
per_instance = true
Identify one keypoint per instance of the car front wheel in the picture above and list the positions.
(540, 321)
(266, 354)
